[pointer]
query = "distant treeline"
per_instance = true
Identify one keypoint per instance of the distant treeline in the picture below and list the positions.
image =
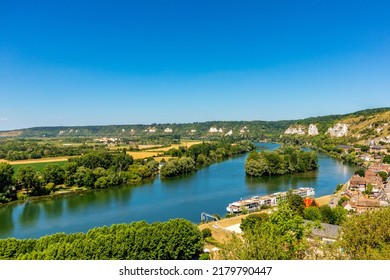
(20, 150)
(285, 160)
(200, 155)
(176, 239)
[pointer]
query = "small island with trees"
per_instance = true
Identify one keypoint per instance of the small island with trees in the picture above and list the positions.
(285, 160)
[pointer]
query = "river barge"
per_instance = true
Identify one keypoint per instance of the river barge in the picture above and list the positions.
(256, 202)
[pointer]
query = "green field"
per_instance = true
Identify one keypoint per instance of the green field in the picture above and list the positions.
(38, 165)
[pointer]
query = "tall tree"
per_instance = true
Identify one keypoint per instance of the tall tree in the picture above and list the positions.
(6, 173)
(283, 236)
(367, 236)
(29, 180)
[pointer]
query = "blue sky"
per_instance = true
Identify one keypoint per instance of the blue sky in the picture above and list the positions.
(127, 62)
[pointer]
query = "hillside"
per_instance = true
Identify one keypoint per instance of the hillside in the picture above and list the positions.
(367, 124)
(361, 127)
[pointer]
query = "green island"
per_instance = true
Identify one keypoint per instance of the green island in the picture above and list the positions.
(285, 160)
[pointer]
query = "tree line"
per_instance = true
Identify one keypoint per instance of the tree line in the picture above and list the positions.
(177, 239)
(23, 149)
(200, 155)
(285, 160)
(94, 170)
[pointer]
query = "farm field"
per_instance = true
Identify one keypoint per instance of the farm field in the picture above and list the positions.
(175, 146)
(37, 165)
(34, 161)
(143, 154)
(156, 152)
(148, 151)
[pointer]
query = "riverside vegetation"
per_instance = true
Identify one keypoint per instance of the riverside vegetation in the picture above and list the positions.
(102, 169)
(94, 170)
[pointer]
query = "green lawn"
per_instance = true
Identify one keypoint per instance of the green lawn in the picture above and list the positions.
(38, 165)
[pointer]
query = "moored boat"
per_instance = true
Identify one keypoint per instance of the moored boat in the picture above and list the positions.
(256, 202)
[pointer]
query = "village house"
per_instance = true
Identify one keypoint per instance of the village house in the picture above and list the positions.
(360, 184)
(326, 232)
(375, 168)
(357, 183)
(363, 204)
(365, 157)
(378, 158)
(367, 204)
(349, 205)
(360, 201)
(345, 148)
(378, 149)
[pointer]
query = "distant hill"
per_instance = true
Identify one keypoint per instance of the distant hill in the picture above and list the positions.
(372, 123)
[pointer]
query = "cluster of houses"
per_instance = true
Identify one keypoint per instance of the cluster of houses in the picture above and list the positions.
(374, 154)
(369, 192)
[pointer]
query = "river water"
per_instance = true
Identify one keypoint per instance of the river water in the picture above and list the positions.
(208, 190)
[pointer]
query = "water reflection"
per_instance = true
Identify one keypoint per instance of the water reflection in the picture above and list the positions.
(269, 184)
(122, 196)
(30, 213)
(53, 208)
(6, 220)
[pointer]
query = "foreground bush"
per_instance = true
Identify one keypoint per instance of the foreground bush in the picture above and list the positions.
(176, 239)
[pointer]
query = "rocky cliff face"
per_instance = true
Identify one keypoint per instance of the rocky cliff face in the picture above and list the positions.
(313, 130)
(339, 130)
(295, 130)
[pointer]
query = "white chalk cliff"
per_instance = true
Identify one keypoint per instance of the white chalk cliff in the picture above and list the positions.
(313, 130)
(294, 129)
(339, 130)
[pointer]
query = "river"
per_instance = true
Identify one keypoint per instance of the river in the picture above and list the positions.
(208, 190)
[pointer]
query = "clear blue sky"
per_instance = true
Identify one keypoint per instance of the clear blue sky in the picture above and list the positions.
(143, 61)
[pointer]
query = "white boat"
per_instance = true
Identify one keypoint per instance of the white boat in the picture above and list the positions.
(255, 202)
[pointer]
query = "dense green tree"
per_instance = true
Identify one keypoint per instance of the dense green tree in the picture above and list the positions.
(335, 216)
(206, 232)
(175, 167)
(361, 172)
(283, 236)
(70, 169)
(295, 202)
(53, 173)
(367, 236)
(384, 175)
(253, 221)
(282, 161)
(6, 174)
(386, 159)
(121, 162)
(30, 180)
(85, 177)
(312, 213)
(7, 187)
